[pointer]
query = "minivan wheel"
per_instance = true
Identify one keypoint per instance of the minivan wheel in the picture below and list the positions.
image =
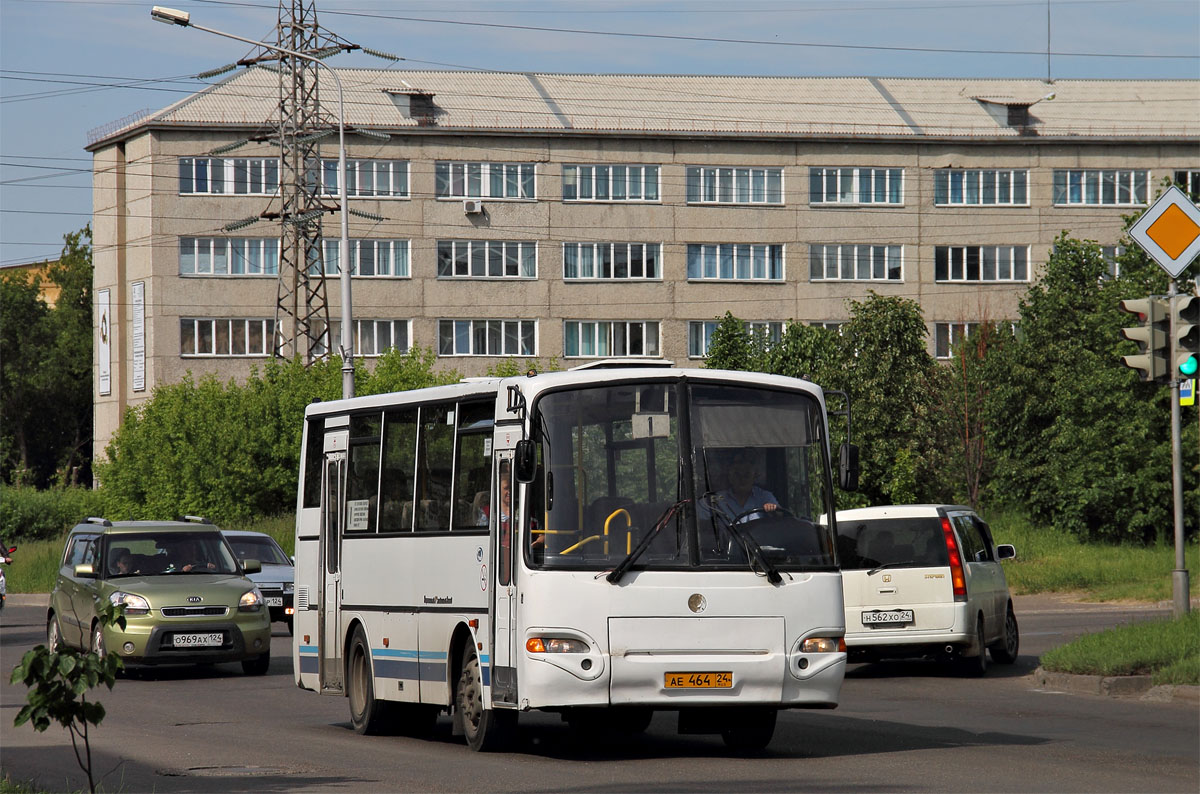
(98, 646)
(1005, 652)
(976, 665)
(53, 635)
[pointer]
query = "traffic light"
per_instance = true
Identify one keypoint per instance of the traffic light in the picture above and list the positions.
(1186, 309)
(1151, 335)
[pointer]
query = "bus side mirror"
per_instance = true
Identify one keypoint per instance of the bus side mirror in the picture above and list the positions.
(848, 467)
(525, 461)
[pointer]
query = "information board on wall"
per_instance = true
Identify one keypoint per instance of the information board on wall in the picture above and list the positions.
(104, 352)
(138, 299)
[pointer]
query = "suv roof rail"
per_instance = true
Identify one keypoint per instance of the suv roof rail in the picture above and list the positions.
(194, 519)
(104, 522)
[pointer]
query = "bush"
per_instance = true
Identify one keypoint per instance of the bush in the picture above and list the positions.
(29, 514)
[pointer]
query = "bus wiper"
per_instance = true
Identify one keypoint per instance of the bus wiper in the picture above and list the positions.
(616, 573)
(753, 550)
(883, 565)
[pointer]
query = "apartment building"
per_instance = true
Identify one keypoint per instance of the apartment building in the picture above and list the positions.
(573, 216)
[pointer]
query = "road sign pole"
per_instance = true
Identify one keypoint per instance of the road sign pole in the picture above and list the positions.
(1179, 577)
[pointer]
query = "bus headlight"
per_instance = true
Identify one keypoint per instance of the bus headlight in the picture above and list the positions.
(556, 645)
(134, 604)
(823, 645)
(251, 601)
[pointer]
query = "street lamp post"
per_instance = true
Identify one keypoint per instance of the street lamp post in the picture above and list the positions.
(172, 16)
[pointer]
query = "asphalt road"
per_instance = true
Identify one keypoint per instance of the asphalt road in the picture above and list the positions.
(909, 726)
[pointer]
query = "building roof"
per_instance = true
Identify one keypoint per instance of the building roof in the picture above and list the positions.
(720, 106)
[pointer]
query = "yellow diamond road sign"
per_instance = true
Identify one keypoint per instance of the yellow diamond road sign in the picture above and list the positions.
(1170, 231)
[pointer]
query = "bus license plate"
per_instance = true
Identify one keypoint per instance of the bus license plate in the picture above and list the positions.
(211, 640)
(893, 617)
(698, 681)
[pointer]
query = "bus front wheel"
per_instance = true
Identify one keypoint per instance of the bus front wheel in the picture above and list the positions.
(366, 713)
(749, 729)
(484, 729)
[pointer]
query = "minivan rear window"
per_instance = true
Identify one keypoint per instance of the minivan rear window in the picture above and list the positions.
(898, 542)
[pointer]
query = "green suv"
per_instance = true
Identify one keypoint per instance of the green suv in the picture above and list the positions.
(187, 599)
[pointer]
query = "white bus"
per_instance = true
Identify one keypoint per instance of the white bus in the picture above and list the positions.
(602, 543)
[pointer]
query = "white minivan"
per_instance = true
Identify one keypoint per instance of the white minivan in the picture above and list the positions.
(925, 580)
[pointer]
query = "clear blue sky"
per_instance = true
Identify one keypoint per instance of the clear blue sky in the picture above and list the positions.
(68, 66)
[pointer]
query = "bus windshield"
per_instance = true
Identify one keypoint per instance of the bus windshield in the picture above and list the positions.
(680, 474)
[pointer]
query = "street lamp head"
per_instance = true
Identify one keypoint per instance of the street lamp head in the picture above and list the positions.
(171, 16)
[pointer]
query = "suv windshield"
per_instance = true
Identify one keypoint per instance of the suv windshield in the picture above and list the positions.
(172, 553)
(742, 468)
(893, 542)
(265, 550)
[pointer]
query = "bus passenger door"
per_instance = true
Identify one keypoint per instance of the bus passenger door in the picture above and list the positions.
(505, 540)
(332, 509)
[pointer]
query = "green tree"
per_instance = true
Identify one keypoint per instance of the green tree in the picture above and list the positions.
(891, 379)
(46, 371)
(59, 679)
(1080, 442)
(733, 347)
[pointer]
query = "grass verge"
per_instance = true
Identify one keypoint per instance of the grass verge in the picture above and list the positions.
(1049, 561)
(1167, 650)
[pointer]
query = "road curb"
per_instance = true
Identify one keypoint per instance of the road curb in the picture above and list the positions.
(28, 599)
(1117, 686)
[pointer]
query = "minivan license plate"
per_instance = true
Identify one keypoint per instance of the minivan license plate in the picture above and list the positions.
(698, 680)
(210, 640)
(891, 617)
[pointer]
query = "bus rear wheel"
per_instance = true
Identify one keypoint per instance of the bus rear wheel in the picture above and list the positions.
(367, 714)
(749, 729)
(485, 729)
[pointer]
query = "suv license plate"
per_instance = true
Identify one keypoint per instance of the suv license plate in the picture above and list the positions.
(274, 601)
(211, 640)
(698, 680)
(892, 617)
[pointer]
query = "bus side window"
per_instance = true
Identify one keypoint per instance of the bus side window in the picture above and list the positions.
(435, 466)
(399, 470)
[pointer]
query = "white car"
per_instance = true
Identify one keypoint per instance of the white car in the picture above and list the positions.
(276, 579)
(925, 580)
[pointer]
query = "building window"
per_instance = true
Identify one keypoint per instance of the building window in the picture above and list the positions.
(484, 180)
(611, 260)
(947, 335)
(959, 187)
(487, 337)
(1189, 182)
(828, 326)
(855, 262)
(1100, 187)
(856, 185)
(378, 178)
(981, 263)
(610, 183)
(224, 256)
(370, 258)
(599, 339)
(226, 337)
(486, 259)
(734, 262)
(700, 334)
(371, 337)
(717, 185)
(1111, 254)
(246, 176)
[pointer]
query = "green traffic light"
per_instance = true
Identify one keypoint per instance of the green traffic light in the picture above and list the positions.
(1189, 365)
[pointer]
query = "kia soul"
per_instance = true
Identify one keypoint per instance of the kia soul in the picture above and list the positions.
(186, 596)
(925, 580)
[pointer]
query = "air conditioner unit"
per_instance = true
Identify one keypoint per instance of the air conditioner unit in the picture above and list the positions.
(472, 206)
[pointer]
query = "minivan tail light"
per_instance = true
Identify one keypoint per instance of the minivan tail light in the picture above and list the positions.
(956, 567)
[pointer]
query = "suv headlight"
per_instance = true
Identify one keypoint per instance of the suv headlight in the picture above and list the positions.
(251, 601)
(288, 587)
(134, 604)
